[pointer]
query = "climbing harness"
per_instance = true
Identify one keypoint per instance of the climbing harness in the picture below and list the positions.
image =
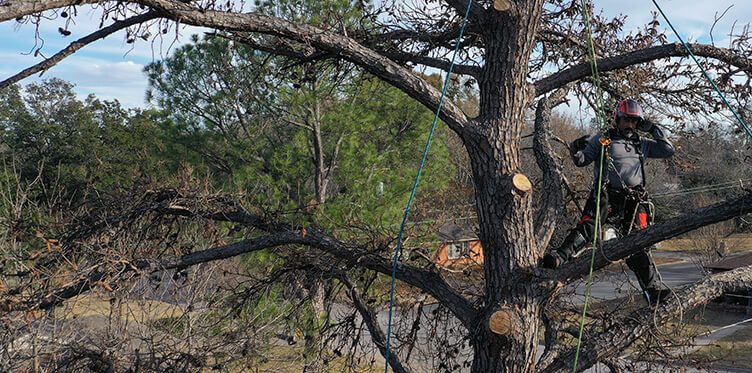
(636, 142)
(415, 187)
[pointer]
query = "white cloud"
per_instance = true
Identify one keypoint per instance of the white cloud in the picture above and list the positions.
(109, 68)
(123, 80)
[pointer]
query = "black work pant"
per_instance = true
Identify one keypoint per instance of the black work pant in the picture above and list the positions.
(621, 209)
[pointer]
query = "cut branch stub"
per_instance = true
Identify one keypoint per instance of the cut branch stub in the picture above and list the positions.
(522, 183)
(502, 5)
(502, 322)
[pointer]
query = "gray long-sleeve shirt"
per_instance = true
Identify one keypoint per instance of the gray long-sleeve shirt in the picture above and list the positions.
(624, 155)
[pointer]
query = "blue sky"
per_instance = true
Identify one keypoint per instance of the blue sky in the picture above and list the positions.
(111, 69)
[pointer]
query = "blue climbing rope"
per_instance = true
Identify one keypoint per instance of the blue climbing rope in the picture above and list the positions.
(415, 187)
(723, 97)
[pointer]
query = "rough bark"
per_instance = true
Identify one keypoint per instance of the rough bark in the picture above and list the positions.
(506, 229)
(545, 222)
(511, 236)
(19, 8)
(477, 13)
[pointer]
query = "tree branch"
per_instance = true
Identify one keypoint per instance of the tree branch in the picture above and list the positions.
(221, 208)
(438, 63)
(371, 321)
(148, 266)
(78, 44)
(567, 37)
(339, 45)
(631, 327)
(439, 37)
(582, 70)
(431, 282)
(624, 247)
(427, 280)
(552, 174)
(551, 340)
(279, 49)
(14, 9)
(312, 55)
(477, 13)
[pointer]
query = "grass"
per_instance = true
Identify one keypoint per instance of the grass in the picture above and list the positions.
(734, 350)
(705, 319)
(736, 243)
(96, 304)
(289, 359)
(170, 319)
(662, 260)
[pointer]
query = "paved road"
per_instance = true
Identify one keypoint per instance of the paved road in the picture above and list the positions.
(610, 284)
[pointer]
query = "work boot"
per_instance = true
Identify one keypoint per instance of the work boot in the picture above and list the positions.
(572, 247)
(656, 296)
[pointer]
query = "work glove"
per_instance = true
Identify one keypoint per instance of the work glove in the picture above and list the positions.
(646, 126)
(579, 144)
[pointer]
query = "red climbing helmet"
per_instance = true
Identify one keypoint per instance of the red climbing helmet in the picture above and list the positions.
(628, 108)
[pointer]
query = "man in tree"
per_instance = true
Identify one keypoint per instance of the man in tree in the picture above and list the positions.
(624, 201)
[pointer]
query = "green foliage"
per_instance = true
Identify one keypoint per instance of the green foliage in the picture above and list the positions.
(229, 122)
(75, 148)
(381, 155)
(256, 123)
(174, 326)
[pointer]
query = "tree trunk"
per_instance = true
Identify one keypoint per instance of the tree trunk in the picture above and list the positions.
(313, 340)
(504, 213)
(321, 179)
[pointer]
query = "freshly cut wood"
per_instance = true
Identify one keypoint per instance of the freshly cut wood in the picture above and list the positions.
(502, 5)
(522, 183)
(501, 322)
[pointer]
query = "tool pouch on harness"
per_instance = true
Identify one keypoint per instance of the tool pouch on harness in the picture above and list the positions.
(628, 209)
(640, 209)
